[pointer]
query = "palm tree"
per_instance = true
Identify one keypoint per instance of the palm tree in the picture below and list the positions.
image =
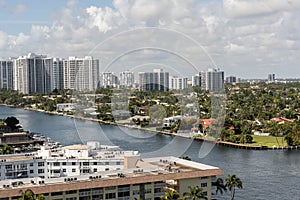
(232, 182)
(194, 193)
(220, 185)
(170, 195)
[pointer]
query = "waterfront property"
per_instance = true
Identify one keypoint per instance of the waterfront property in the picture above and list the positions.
(131, 178)
(67, 161)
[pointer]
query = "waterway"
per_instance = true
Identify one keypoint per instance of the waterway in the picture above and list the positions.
(270, 174)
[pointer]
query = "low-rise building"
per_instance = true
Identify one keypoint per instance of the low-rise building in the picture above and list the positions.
(146, 179)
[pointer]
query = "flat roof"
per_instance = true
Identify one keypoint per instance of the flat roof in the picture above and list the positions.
(147, 170)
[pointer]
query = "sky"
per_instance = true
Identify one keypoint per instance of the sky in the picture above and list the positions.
(245, 38)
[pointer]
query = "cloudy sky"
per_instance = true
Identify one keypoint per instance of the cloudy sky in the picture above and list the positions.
(246, 38)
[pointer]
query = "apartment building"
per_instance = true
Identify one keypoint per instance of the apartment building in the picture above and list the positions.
(6, 74)
(146, 178)
(81, 73)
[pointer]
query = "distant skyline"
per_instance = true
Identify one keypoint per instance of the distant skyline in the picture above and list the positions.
(247, 39)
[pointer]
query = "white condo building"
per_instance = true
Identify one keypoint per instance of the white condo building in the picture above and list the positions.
(108, 79)
(156, 80)
(178, 83)
(71, 160)
(81, 73)
(33, 74)
(214, 80)
(6, 74)
(126, 79)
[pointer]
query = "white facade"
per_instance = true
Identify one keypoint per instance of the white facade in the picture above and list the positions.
(214, 80)
(108, 79)
(71, 160)
(81, 73)
(33, 74)
(178, 83)
(126, 79)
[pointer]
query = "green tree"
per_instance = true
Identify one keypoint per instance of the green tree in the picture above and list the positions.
(233, 182)
(219, 184)
(170, 195)
(194, 193)
(11, 122)
(6, 149)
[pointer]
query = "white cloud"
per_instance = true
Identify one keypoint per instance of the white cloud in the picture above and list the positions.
(235, 33)
(244, 8)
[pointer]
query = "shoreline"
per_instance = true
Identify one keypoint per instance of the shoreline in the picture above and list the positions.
(222, 143)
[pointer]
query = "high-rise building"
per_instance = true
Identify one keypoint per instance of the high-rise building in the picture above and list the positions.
(109, 79)
(214, 80)
(178, 83)
(81, 73)
(33, 74)
(271, 78)
(6, 74)
(231, 80)
(58, 73)
(156, 80)
(127, 79)
(197, 79)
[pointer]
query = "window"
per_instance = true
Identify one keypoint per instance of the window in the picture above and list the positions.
(118, 163)
(135, 192)
(56, 164)
(71, 192)
(40, 171)
(148, 191)
(95, 169)
(85, 163)
(95, 163)
(64, 163)
(40, 164)
(31, 171)
(8, 166)
(31, 164)
(64, 170)
(73, 170)
(73, 163)
(56, 193)
(204, 177)
(203, 185)
(205, 193)
(110, 195)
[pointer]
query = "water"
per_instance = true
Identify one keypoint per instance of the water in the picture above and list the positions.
(265, 174)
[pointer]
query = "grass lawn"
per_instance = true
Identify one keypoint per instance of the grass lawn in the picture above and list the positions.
(269, 141)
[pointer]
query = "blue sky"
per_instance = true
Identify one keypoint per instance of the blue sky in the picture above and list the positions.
(249, 39)
(36, 12)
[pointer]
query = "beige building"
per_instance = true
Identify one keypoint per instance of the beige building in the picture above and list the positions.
(145, 179)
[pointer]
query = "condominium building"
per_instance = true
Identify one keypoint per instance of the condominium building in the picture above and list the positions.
(81, 73)
(58, 73)
(178, 83)
(71, 160)
(271, 78)
(126, 79)
(197, 79)
(214, 80)
(109, 79)
(6, 74)
(156, 80)
(33, 74)
(231, 80)
(136, 178)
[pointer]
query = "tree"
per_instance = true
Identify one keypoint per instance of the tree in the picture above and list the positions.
(170, 195)
(6, 149)
(220, 185)
(194, 193)
(233, 182)
(29, 195)
(11, 122)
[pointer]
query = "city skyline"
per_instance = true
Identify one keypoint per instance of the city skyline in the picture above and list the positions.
(248, 40)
